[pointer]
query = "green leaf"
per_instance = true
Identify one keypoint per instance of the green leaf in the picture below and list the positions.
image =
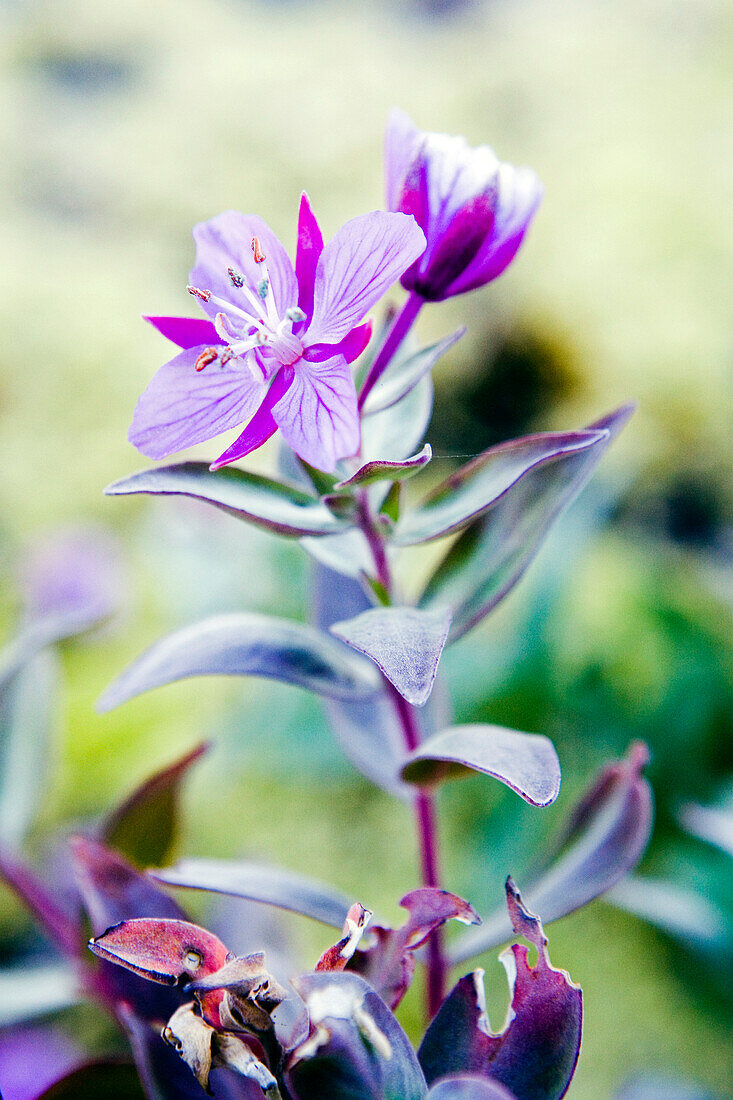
(386, 470)
(274, 505)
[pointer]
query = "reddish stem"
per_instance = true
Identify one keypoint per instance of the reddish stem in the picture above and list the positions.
(402, 325)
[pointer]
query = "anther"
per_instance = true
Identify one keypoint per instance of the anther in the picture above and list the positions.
(204, 295)
(206, 357)
(262, 288)
(295, 313)
(259, 255)
(236, 279)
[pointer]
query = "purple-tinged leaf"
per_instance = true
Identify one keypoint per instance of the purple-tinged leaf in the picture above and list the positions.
(347, 554)
(609, 830)
(404, 642)
(32, 1059)
(27, 992)
(404, 373)
(161, 950)
(247, 644)
(274, 505)
(56, 918)
(337, 956)
(368, 733)
(383, 470)
(389, 964)
(536, 1053)
(711, 823)
(108, 1080)
(466, 1086)
(356, 1049)
(472, 490)
(679, 911)
(259, 882)
(143, 827)
(488, 559)
(397, 432)
(526, 762)
(27, 711)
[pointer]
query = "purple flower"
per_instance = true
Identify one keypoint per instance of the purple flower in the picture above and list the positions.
(473, 209)
(279, 341)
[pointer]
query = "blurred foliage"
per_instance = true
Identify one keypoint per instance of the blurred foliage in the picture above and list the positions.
(118, 134)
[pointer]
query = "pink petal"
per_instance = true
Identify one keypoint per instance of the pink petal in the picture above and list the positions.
(226, 241)
(187, 332)
(318, 414)
(365, 258)
(310, 247)
(183, 406)
(399, 150)
(261, 426)
(350, 347)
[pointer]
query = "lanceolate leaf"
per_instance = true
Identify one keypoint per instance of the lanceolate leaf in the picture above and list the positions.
(404, 642)
(609, 832)
(52, 911)
(258, 882)
(536, 1053)
(396, 432)
(382, 470)
(274, 505)
(161, 950)
(247, 644)
(143, 828)
(492, 554)
(526, 762)
(403, 374)
(30, 991)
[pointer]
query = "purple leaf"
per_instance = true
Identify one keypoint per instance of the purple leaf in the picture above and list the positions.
(404, 373)
(247, 644)
(258, 882)
(536, 1053)
(161, 950)
(357, 1049)
(609, 830)
(488, 559)
(384, 470)
(57, 919)
(274, 505)
(466, 1086)
(526, 762)
(107, 1080)
(32, 1059)
(404, 642)
(143, 828)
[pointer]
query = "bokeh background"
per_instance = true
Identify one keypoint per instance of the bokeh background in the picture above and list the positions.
(121, 126)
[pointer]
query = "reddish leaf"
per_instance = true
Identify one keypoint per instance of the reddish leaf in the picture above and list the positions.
(161, 950)
(536, 1053)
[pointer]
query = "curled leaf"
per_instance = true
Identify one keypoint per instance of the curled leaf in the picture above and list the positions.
(606, 837)
(526, 762)
(386, 470)
(161, 950)
(336, 957)
(535, 1055)
(191, 1038)
(404, 642)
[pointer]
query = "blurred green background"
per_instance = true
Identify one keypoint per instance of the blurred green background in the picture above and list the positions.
(121, 126)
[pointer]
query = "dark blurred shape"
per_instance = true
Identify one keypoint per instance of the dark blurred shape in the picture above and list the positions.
(514, 382)
(689, 510)
(83, 73)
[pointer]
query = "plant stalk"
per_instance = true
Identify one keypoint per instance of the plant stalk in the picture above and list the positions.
(402, 325)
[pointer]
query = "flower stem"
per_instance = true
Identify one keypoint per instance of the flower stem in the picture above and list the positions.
(402, 325)
(427, 828)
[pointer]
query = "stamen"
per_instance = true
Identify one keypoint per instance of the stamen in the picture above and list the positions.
(206, 357)
(259, 255)
(262, 288)
(295, 314)
(237, 280)
(204, 295)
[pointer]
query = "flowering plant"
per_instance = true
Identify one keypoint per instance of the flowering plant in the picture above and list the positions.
(276, 351)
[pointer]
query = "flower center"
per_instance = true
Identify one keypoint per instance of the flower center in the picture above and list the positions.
(254, 323)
